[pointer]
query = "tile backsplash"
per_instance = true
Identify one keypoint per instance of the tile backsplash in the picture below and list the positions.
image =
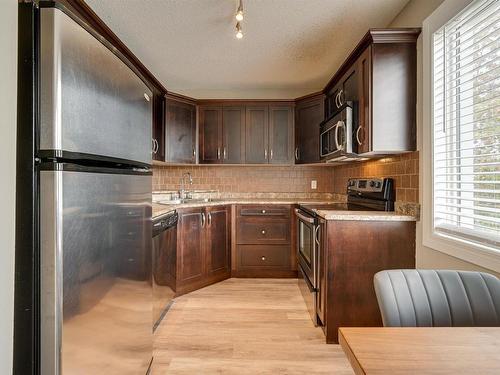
(246, 181)
(402, 168)
(292, 181)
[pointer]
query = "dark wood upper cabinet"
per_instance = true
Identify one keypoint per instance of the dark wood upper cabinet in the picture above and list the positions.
(280, 134)
(158, 137)
(309, 113)
(180, 127)
(379, 77)
(233, 124)
(210, 134)
(257, 127)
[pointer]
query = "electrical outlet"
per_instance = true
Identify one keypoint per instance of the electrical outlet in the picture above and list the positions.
(314, 184)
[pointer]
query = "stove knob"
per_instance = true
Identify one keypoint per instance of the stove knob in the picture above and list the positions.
(378, 184)
(372, 183)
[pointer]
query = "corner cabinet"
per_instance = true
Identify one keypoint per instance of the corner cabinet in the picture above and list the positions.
(180, 128)
(203, 247)
(379, 78)
(309, 113)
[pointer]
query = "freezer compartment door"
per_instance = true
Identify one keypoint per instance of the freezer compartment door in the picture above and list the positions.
(96, 293)
(91, 101)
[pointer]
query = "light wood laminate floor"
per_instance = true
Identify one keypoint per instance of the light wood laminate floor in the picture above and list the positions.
(244, 326)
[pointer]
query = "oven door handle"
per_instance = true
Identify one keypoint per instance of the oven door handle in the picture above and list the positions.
(303, 218)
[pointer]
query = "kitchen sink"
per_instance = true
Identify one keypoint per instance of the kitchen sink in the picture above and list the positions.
(187, 200)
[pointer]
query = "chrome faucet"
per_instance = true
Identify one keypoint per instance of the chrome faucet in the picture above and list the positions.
(182, 192)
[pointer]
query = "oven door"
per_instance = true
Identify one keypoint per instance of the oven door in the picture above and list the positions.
(307, 229)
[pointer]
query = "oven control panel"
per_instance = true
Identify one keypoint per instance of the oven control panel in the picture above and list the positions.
(372, 185)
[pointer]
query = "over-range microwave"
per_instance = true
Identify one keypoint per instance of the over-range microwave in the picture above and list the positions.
(337, 133)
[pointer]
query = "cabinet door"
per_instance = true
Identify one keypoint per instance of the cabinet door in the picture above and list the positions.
(190, 256)
(321, 297)
(308, 115)
(211, 135)
(280, 134)
(218, 249)
(362, 137)
(233, 150)
(256, 142)
(181, 132)
(158, 141)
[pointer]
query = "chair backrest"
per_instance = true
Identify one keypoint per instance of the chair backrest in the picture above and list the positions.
(438, 298)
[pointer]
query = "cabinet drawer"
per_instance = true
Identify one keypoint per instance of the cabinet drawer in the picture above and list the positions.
(263, 256)
(262, 211)
(263, 231)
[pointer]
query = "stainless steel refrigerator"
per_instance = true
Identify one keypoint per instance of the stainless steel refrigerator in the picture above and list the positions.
(94, 157)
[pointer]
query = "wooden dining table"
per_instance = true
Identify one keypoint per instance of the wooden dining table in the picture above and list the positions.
(436, 350)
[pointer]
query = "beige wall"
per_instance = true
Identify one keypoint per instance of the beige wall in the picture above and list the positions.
(412, 16)
(8, 86)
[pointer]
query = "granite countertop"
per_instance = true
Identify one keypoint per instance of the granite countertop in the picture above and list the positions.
(161, 209)
(365, 215)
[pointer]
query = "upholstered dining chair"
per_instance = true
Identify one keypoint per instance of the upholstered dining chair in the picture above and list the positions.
(438, 298)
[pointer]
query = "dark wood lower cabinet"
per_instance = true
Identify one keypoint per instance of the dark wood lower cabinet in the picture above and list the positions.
(352, 252)
(218, 244)
(203, 247)
(263, 242)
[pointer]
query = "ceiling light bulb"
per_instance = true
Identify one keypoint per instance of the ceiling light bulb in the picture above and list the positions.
(239, 33)
(239, 12)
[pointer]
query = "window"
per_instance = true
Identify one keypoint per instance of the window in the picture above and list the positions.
(464, 114)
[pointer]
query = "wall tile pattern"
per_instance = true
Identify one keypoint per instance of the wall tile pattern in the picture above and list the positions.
(402, 168)
(292, 181)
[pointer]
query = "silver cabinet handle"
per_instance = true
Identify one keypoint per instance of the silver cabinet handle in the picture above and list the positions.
(271, 154)
(224, 153)
(296, 153)
(153, 146)
(157, 145)
(341, 93)
(194, 152)
(209, 219)
(265, 154)
(316, 234)
(218, 152)
(203, 220)
(337, 100)
(357, 136)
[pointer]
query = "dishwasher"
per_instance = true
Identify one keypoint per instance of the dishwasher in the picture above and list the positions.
(164, 264)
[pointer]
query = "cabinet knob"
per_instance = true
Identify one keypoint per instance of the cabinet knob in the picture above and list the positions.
(263, 258)
(263, 211)
(263, 231)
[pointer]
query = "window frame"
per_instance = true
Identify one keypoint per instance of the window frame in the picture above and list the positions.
(478, 254)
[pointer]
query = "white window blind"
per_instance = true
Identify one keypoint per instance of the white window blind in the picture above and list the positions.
(466, 125)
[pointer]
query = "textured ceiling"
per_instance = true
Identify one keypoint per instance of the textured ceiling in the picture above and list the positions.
(290, 47)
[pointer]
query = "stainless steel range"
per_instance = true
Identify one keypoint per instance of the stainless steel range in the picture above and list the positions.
(375, 194)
